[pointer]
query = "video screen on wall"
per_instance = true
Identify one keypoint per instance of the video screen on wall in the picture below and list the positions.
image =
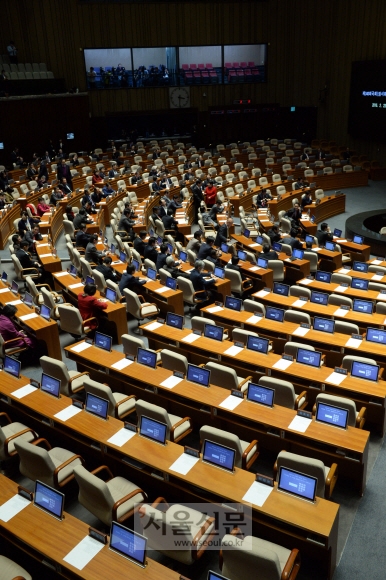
(367, 113)
(109, 68)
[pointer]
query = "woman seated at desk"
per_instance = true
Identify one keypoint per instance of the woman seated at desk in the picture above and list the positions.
(89, 306)
(9, 330)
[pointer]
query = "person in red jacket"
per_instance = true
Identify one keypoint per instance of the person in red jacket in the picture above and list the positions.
(210, 194)
(89, 306)
(42, 207)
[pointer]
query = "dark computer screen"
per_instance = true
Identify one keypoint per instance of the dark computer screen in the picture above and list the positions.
(324, 324)
(48, 499)
(242, 255)
(364, 306)
(103, 341)
(376, 335)
(28, 299)
(323, 276)
(170, 248)
(50, 385)
(330, 246)
(311, 358)
(331, 415)
(198, 375)
(309, 238)
(358, 239)
(135, 264)
(219, 272)
(276, 246)
(282, 289)
(183, 256)
(259, 394)
(73, 271)
(247, 233)
(175, 320)
(365, 371)
(299, 484)
(262, 263)
(260, 240)
(359, 284)
(147, 357)
(111, 295)
(122, 256)
(319, 298)
(4, 277)
(233, 303)
(128, 543)
(171, 283)
(151, 273)
(313, 219)
(360, 267)
(213, 331)
(218, 455)
(298, 254)
(12, 366)
(45, 312)
(224, 248)
(258, 344)
(337, 233)
(14, 287)
(274, 314)
(97, 406)
(153, 429)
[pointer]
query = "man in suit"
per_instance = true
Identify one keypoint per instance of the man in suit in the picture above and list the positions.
(135, 178)
(126, 224)
(170, 266)
(205, 248)
(113, 172)
(82, 238)
(81, 217)
(267, 253)
(306, 200)
(155, 188)
(216, 209)
(324, 234)
(169, 221)
(195, 243)
(234, 265)
(162, 208)
(130, 281)
(65, 187)
(25, 260)
(150, 252)
(293, 241)
(223, 234)
(201, 284)
(294, 214)
(174, 205)
(162, 257)
(274, 234)
(320, 154)
(304, 156)
(63, 170)
(107, 190)
(92, 253)
(156, 154)
(139, 243)
(198, 197)
(106, 269)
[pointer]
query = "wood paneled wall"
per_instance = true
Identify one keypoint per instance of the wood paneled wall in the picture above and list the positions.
(312, 45)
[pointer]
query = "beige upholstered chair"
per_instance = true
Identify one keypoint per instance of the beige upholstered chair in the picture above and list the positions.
(349, 359)
(137, 307)
(174, 361)
(120, 405)
(71, 320)
(11, 432)
(53, 466)
(177, 427)
(132, 343)
(111, 500)
(196, 532)
(22, 273)
(198, 323)
(238, 285)
(70, 381)
(355, 419)
(191, 297)
(339, 300)
(285, 395)
(6, 347)
(49, 301)
(10, 570)
(326, 476)
(253, 306)
(226, 377)
(246, 453)
(297, 317)
(300, 291)
(240, 559)
(346, 327)
(277, 267)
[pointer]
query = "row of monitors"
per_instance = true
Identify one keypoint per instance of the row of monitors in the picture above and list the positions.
(329, 245)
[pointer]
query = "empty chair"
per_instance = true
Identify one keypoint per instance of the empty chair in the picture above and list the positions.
(174, 361)
(191, 297)
(109, 500)
(132, 343)
(238, 285)
(10, 434)
(199, 322)
(340, 300)
(349, 359)
(277, 268)
(346, 327)
(308, 173)
(253, 306)
(297, 317)
(312, 257)
(53, 466)
(70, 381)
(10, 570)
(300, 291)
(177, 427)
(137, 307)
(285, 225)
(263, 181)
(292, 347)
(226, 377)
(246, 453)
(355, 419)
(251, 183)
(48, 300)
(326, 476)
(285, 395)
(373, 268)
(120, 405)
(319, 194)
(241, 335)
(341, 279)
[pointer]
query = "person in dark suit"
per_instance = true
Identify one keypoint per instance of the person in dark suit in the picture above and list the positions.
(205, 248)
(293, 241)
(156, 154)
(63, 170)
(169, 221)
(198, 197)
(56, 196)
(139, 243)
(214, 258)
(130, 281)
(86, 198)
(155, 187)
(96, 196)
(162, 208)
(81, 217)
(274, 234)
(150, 252)
(324, 234)
(126, 224)
(106, 269)
(25, 259)
(267, 253)
(135, 178)
(304, 156)
(320, 154)
(64, 187)
(174, 205)
(82, 238)
(294, 214)
(31, 171)
(195, 242)
(113, 172)
(216, 209)
(306, 200)
(234, 265)
(223, 234)
(162, 256)
(92, 253)
(201, 284)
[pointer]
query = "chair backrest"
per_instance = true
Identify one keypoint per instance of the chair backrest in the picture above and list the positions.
(32, 289)
(86, 268)
(297, 317)
(292, 348)
(101, 390)
(99, 280)
(346, 327)
(341, 279)
(340, 402)
(300, 291)
(70, 319)
(253, 306)
(339, 300)
(277, 268)
(223, 438)
(131, 344)
(236, 280)
(94, 494)
(35, 462)
(312, 257)
(306, 465)
(241, 335)
(241, 559)
(284, 391)
(17, 266)
(153, 412)
(349, 359)
(69, 228)
(222, 376)
(133, 305)
(48, 300)
(174, 361)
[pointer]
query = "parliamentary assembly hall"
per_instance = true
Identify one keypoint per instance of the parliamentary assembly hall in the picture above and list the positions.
(192, 289)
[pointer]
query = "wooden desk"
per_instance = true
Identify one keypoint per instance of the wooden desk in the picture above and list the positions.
(6, 224)
(311, 527)
(51, 263)
(358, 252)
(42, 329)
(46, 538)
(333, 288)
(370, 276)
(115, 313)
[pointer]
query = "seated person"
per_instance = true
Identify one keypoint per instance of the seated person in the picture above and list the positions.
(65, 187)
(274, 234)
(97, 177)
(294, 214)
(262, 198)
(174, 270)
(42, 207)
(107, 270)
(216, 209)
(87, 198)
(293, 241)
(113, 171)
(107, 190)
(162, 256)
(300, 183)
(175, 204)
(234, 265)
(195, 243)
(96, 196)
(131, 282)
(267, 253)
(223, 234)
(155, 188)
(42, 181)
(214, 257)
(139, 243)
(169, 221)
(150, 252)
(93, 255)
(56, 196)
(89, 306)
(129, 207)
(33, 236)
(82, 238)
(69, 213)
(126, 225)
(201, 284)
(206, 218)
(3, 201)
(25, 260)
(306, 200)
(10, 331)
(135, 178)
(80, 217)
(206, 248)
(324, 234)
(16, 239)
(23, 224)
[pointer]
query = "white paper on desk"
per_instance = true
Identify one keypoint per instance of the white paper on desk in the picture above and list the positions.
(377, 277)
(253, 245)
(344, 270)
(215, 309)
(282, 364)
(299, 424)
(4, 290)
(121, 437)
(60, 274)
(254, 319)
(117, 262)
(231, 402)
(233, 350)
(67, 413)
(381, 297)
(42, 245)
(153, 326)
(15, 302)
(29, 316)
(77, 285)
(122, 364)
(83, 552)
(287, 260)
(340, 289)
(258, 493)
(184, 463)
(171, 382)
(191, 338)
(262, 293)
(316, 249)
(353, 343)
(262, 221)
(305, 281)
(45, 256)
(12, 507)
(335, 378)
(254, 268)
(299, 303)
(24, 391)
(341, 312)
(339, 240)
(162, 290)
(81, 346)
(301, 331)
(376, 262)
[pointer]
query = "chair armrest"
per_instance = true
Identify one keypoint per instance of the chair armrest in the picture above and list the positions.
(360, 420)
(292, 565)
(76, 377)
(158, 501)
(198, 553)
(195, 294)
(141, 298)
(102, 468)
(248, 450)
(4, 414)
(60, 467)
(14, 436)
(331, 478)
(124, 500)
(180, 422)
(244, 282)
(88, 320)
(150, 304)
(381, 372)
(299, 397)
(42, 440)
(6, 342)
(120, 403)
(250, 378)
(26, 269)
